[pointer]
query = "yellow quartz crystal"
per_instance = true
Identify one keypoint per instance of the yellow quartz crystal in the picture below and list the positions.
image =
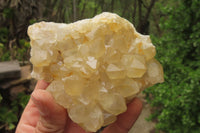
(94, 65)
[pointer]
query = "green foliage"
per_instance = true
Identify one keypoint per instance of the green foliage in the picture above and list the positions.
(19, 53)
(7, 13)
(22, 51)
(12, 47)
(4, 54)
(177, 100)
(0, 98)
(23, 99)
(32, 21)
(9, 114)
(4, 35)
(8, 117)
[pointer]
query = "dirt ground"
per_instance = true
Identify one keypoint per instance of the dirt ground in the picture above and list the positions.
(141, 125)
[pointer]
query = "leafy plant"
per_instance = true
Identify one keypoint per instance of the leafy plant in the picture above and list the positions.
(0, 98)
(177, 101)
(9, 115)
(4, 54)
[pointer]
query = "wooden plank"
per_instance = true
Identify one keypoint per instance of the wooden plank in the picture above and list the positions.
(9, 69)
(25, 77)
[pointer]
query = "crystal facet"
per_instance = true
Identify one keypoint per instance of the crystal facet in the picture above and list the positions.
(95, 66)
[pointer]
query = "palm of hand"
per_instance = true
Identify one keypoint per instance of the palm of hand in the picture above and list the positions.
(43, 115)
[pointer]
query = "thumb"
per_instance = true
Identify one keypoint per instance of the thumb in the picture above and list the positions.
(53, 117)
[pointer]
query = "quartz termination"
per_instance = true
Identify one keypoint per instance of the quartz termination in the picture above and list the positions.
(95, 66)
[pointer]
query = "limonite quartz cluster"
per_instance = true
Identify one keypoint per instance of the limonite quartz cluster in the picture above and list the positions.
(95, 66)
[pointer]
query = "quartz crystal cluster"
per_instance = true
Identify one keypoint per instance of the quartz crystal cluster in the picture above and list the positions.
(95, 66)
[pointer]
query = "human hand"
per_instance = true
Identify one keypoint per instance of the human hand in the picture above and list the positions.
(43, 115)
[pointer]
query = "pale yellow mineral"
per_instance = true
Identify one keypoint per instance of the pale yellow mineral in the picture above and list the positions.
(94, 65)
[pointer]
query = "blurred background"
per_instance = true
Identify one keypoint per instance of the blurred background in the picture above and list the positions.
(174, 27)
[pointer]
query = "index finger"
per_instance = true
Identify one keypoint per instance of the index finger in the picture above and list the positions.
(41, 84)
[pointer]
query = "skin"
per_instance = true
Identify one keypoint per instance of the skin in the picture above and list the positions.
(43, 115)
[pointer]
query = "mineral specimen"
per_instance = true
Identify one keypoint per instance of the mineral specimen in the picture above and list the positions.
(95, 66)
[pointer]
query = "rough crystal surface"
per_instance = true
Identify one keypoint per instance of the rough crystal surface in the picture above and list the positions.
(95, 66)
